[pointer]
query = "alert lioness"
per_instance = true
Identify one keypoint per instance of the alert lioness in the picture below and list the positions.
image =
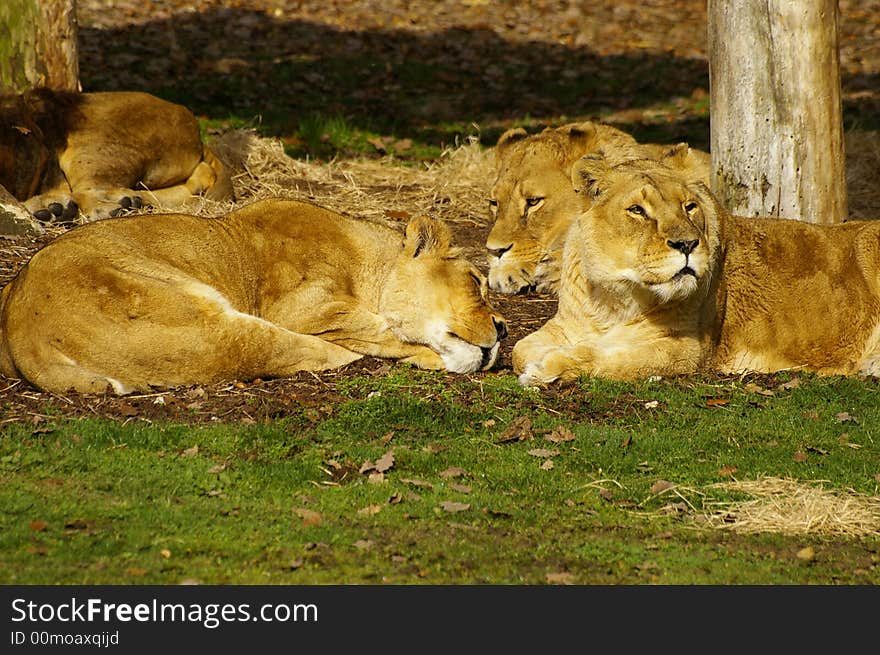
(658, 279)
(63, 153)
(272, 288)
(533, 202)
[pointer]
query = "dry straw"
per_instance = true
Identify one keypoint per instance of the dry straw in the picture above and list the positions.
(793, 507)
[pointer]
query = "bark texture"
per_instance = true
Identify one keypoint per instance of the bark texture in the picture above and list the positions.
(776, 116)
(38, 45)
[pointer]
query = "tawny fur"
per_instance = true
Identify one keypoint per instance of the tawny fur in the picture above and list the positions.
(533, 202)
(658, 279)
(272, 288)
(101, 151)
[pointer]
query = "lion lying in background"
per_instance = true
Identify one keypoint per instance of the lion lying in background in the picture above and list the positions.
(269, 289)
(658, 279)
(97, 154)
(533, 202)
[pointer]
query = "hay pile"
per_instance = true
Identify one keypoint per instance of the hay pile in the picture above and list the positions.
(453, 188)
(792, 507)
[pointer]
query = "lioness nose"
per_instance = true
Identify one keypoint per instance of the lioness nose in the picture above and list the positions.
(500, 328)
(685, 247)
(497, 252)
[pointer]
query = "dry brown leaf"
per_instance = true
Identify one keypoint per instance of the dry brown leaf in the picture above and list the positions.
(547, 465)
(190, 452)
(363, 544)
(717, 402)
(369, 510)
(452, 472)
(453, 506)
(843, 417)
(376, 477)
(791, 384)
(727, 471)
(165, 553)
(461, 488)
(38, 526)
(806, 553)
(385, 462)
(562, 577)
(135, 571)
(799, 456)
(661, 485)
(309, 517)
(417, 483)
(520, 429)
(543, 452)
(560, 434)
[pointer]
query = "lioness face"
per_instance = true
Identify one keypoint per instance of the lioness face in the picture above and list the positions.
(438, 299)
(652, 230)
(533, 204)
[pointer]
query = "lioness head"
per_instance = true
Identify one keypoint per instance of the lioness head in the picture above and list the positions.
(649, 229)
(435, 297)
(533, 203)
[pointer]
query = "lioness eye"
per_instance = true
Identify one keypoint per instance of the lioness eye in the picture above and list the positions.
(638, 210)
(690, 207)
(493, 204)
(531, 202)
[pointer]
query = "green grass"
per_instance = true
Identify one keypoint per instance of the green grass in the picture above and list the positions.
(97, 502)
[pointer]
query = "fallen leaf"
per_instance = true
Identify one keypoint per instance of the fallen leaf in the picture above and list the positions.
(452, 472)
(806, 553)
(453, 506)
(727, 471)
(799, 456)
(369, 510)
(219, 468)
(843, 417)
(547, 465)
(417, 483)
(377, 143)
(385, 462)
(560, 434)
(135, 571)
(403, 144)
(652, 404)
(607, 494)
(165, 553)
(563, 577)
(520, 429)
(626, 442)
(461, 488)
(661, 485)
(791, 384)
(376, 477)
(363, 544)
(38, 526)
(543, 452)
(717, 402)
(190, 452)
(309, 517)
(811, 414)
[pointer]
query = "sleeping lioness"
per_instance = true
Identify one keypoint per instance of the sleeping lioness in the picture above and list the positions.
(533, 203)
(272, 288)
(658, 279)
(66, 154)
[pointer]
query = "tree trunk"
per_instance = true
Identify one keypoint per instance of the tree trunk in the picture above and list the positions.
(776, 116)
(38, 45)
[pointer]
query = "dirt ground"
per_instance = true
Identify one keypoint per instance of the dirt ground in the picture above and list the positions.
(497, 58)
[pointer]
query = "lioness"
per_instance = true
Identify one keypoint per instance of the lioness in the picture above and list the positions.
(533, 202)
(64, 153)
(272, 288)
(658, 279)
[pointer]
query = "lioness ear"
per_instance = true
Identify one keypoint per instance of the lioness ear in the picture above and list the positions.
(507, 139)
(676, 156)
(587, 174)
(426, 235)
(582, 139)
